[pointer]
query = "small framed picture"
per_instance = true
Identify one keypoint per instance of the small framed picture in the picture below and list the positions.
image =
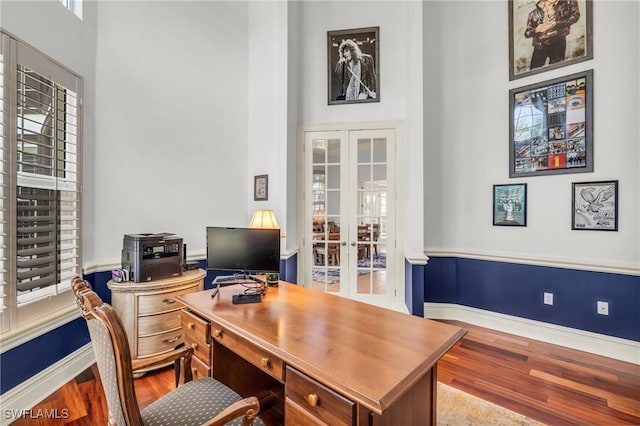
(595, 205)
(510, 205)
(261, 188)
(353, 61)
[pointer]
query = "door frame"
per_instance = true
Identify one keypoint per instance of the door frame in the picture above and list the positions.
(397, 301)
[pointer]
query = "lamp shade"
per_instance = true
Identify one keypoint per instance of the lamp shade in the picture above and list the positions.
(265, 219)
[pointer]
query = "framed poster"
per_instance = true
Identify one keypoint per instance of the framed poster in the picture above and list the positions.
(548, 34)
(353, 60)
(510, 205)
(551, 127)
(261, 188)
(594, 205)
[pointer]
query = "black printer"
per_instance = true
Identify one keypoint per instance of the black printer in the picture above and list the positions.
(149, 257)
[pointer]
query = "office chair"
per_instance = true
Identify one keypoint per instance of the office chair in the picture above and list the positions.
(203, 401)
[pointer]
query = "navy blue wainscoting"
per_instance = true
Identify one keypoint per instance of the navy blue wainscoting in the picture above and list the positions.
(517, 289)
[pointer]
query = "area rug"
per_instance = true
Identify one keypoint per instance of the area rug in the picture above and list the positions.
(458, 408)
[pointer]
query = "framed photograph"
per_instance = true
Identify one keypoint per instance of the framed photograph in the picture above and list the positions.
(261, 188)
(510, 205)
(551, 127)
(595, 205)
(353, 59)
(548, 34)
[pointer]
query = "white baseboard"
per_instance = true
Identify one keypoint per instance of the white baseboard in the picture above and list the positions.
(32, 391)
(599, 344)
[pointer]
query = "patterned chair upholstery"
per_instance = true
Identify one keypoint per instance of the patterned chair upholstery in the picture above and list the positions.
(205, 401)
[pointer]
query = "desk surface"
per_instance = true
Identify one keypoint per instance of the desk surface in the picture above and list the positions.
(370, 354)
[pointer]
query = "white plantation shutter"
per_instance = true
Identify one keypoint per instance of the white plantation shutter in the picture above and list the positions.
(41, 184)
(4, 288)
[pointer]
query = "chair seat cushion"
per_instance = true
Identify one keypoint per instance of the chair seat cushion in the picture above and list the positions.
(192, 403)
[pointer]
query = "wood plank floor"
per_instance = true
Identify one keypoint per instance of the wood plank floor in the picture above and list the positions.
(551, 384)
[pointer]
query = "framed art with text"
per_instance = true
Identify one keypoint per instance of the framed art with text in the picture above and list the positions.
(551, 127)
(510, 205)
(595, 205)
(353, 59)
(261, 188)
(548, 34)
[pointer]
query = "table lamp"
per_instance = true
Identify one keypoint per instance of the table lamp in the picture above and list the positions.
(266, 219)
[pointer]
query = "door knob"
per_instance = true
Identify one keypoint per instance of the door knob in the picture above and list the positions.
(353, 243)
(344, 243)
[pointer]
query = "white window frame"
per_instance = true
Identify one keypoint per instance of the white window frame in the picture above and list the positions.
(53, 306)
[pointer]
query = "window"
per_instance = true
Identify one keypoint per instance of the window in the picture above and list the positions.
(40, 183)
(74, 6)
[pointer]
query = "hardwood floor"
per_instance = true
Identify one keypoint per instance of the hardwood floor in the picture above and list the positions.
(551, 384)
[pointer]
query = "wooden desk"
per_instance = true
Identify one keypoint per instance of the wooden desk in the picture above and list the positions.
(340, 361)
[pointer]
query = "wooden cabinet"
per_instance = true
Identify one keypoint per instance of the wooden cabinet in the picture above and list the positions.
(150, 311)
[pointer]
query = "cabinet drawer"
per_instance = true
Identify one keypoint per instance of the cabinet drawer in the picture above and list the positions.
(304, 393)
(153, 324)
(161, 302)
(199, 369)
(296, 415)
(256, 356)
(151, 345)
(195, 327)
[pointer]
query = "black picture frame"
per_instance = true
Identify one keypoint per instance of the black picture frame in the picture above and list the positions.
(261, 188)
(551, 127)
(577, 37)
(594, 206)
(510, 204)
(365, 42)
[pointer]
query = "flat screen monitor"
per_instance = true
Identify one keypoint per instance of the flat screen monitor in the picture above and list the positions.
(246, 250)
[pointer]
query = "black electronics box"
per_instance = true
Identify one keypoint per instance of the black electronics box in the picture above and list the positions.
(150, 257)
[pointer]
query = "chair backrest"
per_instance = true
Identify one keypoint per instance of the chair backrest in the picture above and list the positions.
(113, 356)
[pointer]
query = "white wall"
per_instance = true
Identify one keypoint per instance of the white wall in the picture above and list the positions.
(400, 76)
(171, 121)
(467, 133)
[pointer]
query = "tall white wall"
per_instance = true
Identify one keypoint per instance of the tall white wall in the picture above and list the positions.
(171, 121)
(400, 76)
(467, 132)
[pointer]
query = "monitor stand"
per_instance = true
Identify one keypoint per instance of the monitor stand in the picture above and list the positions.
(255, 285)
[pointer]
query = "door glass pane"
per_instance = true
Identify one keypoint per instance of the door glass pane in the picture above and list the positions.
(371, 216)
(326, 215)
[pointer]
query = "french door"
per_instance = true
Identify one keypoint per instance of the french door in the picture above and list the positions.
(349, 214)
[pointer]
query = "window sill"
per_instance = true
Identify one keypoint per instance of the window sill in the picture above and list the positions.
(43, 325)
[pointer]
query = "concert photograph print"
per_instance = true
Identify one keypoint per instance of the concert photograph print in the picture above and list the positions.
(353, 59)
(548, 34)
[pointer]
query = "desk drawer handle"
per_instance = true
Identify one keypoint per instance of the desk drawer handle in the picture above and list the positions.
(265, 362)
(312, 399)
(171, 340)
(169, 301)
(190, 325)
(194, 346)
(218, 333)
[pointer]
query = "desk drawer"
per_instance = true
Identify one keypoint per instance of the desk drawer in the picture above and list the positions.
(315, 400)
(256, 356)
(152, 345)
(199, 369)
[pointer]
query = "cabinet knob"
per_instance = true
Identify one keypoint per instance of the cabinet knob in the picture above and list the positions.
(217, 333)
(194, 346)
(190, 325)
(265, 362)
(169, 301)
(194, 371)
(312, 399)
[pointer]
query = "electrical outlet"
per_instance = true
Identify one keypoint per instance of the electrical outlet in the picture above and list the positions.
(548, 298)
(603, 308)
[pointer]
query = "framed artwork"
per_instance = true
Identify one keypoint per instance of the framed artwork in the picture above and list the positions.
(510, 205)
(594, 205)
(353, 60)
(551, 127)
(548, 34)
(261, 188)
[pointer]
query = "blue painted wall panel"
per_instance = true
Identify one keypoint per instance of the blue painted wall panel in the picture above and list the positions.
(516, 289)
